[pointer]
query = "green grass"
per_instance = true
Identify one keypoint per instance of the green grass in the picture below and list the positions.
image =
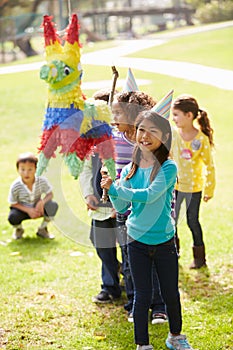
(46, 290)
(206, 48)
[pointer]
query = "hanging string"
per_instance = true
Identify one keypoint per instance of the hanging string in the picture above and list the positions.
(63, 31)
(69, 9)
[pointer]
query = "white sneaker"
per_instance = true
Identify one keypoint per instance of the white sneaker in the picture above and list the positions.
(130, 316)
(18, 233)
(158, 318)
(145, 347)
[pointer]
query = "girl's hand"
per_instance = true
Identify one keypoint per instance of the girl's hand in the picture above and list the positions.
(206, 198)
(106, 182)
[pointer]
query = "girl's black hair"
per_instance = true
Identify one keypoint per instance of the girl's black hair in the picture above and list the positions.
(162, 153)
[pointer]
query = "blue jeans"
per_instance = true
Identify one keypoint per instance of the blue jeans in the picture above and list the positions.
(157, 303)
(103, 236)
(142, 257)
(192, 201)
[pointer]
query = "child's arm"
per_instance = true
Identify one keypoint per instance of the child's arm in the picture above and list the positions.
(85, 180)
(165, 179)
(41, 203)
(210, 171)
(34, 213)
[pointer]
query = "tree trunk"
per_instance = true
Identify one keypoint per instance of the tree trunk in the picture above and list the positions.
(25, 45)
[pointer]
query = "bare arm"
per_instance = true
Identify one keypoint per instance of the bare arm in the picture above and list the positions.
(34, 213)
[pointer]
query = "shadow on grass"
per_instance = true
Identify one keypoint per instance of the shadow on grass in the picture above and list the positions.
(33, 248)
(213, 291)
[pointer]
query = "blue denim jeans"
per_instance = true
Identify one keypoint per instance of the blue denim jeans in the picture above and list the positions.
(142, 257)
(104, 236)
(157, 303)
(192, 201)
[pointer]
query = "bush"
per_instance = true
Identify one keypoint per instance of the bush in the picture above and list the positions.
(215, 11)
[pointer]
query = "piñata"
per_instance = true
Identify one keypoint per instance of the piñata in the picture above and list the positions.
(72, 123)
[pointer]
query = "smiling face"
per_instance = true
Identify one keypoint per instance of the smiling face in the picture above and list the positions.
(148, 137)
(27, 172)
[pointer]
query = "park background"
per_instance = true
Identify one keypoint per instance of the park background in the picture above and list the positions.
(47, 286)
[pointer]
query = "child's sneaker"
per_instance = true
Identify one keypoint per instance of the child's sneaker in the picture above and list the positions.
(158, 318)
(145, 347)
(130, 316)
(44, 233)
(178, 342)
(102, 298)
(18, 233)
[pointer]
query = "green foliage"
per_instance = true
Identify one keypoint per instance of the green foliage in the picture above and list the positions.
(215, 11)
(47, 286)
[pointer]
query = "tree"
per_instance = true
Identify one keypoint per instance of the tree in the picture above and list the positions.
(11, 8)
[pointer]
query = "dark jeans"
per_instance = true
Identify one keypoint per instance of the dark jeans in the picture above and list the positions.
(192, 201)
(104, 236)
(16, 216)
(142, 257)
(157, 304)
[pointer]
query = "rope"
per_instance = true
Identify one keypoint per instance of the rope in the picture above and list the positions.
(62, 32)
(69, 8)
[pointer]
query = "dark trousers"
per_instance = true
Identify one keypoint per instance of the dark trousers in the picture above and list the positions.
(192, 201)
(163, 257)
(157, 303)
(16, 216)
(104, 236)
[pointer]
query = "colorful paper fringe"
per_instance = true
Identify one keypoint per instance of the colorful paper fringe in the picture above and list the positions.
(72, 123)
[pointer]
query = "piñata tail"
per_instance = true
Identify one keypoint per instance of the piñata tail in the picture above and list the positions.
(72, 123)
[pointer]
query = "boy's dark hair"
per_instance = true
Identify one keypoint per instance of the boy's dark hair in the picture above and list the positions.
(26, 157)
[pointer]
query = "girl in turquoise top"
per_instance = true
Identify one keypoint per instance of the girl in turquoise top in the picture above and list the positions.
(146, 187)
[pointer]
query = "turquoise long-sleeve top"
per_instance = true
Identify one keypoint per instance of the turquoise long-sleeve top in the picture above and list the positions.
(150, 220)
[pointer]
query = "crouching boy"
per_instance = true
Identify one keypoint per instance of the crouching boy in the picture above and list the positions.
(30, 197)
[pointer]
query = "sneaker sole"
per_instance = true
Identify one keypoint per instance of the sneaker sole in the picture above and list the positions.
(158, 321)
(97, 301)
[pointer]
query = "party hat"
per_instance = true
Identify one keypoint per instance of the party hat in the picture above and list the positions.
(164, 105)
(130, 83)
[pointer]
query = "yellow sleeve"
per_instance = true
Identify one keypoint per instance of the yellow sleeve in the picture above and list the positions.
(207, 158)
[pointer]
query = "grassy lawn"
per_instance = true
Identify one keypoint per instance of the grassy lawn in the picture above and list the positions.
(47, 287)
(209, 49)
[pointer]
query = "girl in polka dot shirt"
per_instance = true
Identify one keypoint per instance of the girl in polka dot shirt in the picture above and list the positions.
(192, 151)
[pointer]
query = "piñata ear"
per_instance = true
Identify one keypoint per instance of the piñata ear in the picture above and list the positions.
(51, 38)
(164, 105)
(130, 83)
(72, 43)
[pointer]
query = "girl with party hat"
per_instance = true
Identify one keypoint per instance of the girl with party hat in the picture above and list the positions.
(146, 186)
(125, 108)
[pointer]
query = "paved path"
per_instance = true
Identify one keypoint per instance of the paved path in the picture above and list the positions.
(217, 77)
